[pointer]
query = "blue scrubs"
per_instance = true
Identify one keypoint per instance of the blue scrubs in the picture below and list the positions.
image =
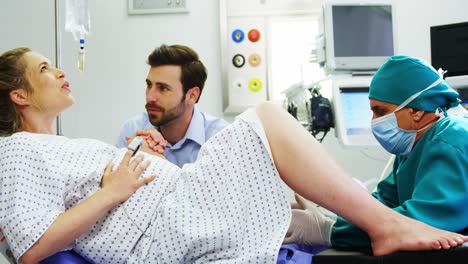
(430, 185)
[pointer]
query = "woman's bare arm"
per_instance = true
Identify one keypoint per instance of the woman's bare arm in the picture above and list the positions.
(117, 188)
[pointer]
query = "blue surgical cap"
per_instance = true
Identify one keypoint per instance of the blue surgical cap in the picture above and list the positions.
(400, 77)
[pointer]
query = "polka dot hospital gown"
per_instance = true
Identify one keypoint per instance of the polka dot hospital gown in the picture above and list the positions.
(228, 207)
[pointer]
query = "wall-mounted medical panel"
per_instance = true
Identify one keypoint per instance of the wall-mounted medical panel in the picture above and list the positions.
(245, 65)
(246, 35)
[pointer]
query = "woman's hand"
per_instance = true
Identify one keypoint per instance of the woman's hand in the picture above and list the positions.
(125, 180)
(117, 187)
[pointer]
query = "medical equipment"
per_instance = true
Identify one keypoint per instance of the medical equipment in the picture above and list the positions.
(58, 64)
(321, 113)
(78, 23)
(463, 96)
(298, 94)
(356, 34)
(81, 55)
(6, 257)
(352, 112)
(135, 145)
(318, 108)
(322, 119)
(449, 52)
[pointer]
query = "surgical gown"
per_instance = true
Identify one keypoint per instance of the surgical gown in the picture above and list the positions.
(430, 185)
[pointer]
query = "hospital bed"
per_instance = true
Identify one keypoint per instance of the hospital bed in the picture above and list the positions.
(295, 253)
(66, 257)
(349, 256)
(329, 256)
(335, 256)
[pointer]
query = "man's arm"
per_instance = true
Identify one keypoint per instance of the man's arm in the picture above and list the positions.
(129, 128)
(439, 195)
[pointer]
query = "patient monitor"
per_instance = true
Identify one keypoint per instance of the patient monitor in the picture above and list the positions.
(352, 112)
(355, 35)
(448, 51)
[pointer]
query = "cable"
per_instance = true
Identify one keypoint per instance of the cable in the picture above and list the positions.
(389, 163)
(383, 174)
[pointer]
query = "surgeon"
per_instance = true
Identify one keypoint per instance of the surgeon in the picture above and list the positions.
(411, 105)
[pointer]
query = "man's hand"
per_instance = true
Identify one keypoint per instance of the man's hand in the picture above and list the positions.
(154, 142)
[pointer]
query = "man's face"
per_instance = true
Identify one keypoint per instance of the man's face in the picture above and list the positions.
(165, 98)
(403, 116)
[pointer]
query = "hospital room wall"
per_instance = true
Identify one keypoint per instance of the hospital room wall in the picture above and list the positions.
(17, 29)
(111, 88)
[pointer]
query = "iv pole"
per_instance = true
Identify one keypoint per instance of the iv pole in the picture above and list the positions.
(57, 55)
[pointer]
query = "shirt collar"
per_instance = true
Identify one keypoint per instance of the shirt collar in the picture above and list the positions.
(196, 129)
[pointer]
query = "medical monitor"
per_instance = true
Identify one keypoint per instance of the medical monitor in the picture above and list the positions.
(352, 112)
(464, 97)
(358, 34)
(449, 51)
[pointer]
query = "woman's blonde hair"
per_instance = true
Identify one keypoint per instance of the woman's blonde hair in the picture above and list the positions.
(12, 76)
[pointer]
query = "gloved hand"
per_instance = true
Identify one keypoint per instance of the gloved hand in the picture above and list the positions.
(309, 225)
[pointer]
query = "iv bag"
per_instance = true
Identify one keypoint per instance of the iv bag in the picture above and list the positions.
(77, 18)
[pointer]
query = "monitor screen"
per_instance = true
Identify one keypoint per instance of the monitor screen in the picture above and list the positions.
(356, 112)
(362, 31)
(463, 97)
(449, 48)
(358, 34)
(352, 112)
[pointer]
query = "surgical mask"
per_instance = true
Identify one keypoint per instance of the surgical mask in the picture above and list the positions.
(392, 138)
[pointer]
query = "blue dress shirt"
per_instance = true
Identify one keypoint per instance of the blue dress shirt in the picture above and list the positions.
(201, 128)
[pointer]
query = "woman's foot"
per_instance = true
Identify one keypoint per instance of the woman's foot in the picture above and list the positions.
(406, 234)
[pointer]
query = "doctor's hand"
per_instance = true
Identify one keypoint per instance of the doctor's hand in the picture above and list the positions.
(125, 180)
(308, 225)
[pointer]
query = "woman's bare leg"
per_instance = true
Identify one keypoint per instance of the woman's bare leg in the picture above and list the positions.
(308, 169)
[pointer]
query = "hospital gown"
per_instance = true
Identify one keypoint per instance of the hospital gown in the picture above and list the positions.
(229, 206)
(430, 185)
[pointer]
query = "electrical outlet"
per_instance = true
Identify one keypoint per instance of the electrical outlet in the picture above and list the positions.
(141, 7)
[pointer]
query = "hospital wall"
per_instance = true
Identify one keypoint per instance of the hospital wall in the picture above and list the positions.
(112, 86)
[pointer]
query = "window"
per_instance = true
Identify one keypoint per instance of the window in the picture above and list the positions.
(291, 46)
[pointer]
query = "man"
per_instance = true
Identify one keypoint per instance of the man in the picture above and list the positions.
(412, 119)
(174, 84)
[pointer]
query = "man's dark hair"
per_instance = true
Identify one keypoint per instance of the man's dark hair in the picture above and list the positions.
(194, 72)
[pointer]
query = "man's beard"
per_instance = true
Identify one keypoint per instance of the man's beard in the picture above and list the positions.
(166, 116)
